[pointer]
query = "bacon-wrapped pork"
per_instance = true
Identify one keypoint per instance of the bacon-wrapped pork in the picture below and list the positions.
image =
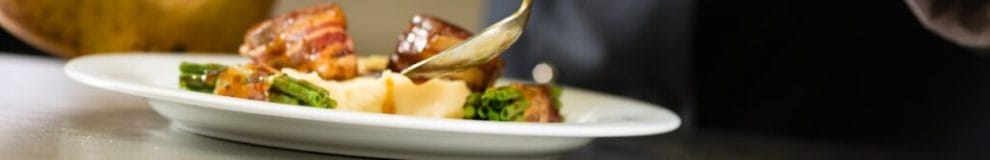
(309, 40)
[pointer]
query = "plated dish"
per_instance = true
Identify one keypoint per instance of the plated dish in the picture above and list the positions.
(298, 84)
(152, 75)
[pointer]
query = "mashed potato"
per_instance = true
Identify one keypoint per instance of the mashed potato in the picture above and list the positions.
(394, 94)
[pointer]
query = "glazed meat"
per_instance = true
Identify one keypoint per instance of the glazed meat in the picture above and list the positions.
(426, 36)
(309, 40)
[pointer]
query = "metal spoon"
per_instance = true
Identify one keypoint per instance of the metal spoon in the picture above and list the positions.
(479, 49)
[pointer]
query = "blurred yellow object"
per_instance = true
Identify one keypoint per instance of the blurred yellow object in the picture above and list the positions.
(70, 28)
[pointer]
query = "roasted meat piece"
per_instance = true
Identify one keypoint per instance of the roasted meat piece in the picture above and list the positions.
(309, 40)
(426, 36)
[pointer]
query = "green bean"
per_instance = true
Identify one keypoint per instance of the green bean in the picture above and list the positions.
(298, 90)
(196, 68)
(282, 98)
(196, 83)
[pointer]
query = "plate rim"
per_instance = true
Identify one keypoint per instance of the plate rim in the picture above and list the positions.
(72, 70)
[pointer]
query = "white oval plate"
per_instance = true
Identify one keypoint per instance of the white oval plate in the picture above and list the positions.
(154, 76)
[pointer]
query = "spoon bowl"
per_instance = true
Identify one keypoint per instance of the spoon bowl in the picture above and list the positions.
(477, 50)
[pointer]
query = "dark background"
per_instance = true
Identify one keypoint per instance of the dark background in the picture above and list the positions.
(849, 71)
(843, 71)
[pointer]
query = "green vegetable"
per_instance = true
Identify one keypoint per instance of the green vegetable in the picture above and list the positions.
(555, 92)
(498, 104)
(469, 109)
(202, 78)
(199, 77)
(196, 83)
(307, 93)
(200, 69)
(282, 98)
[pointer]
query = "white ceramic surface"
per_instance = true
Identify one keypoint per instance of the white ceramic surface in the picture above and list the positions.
(154, 76)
